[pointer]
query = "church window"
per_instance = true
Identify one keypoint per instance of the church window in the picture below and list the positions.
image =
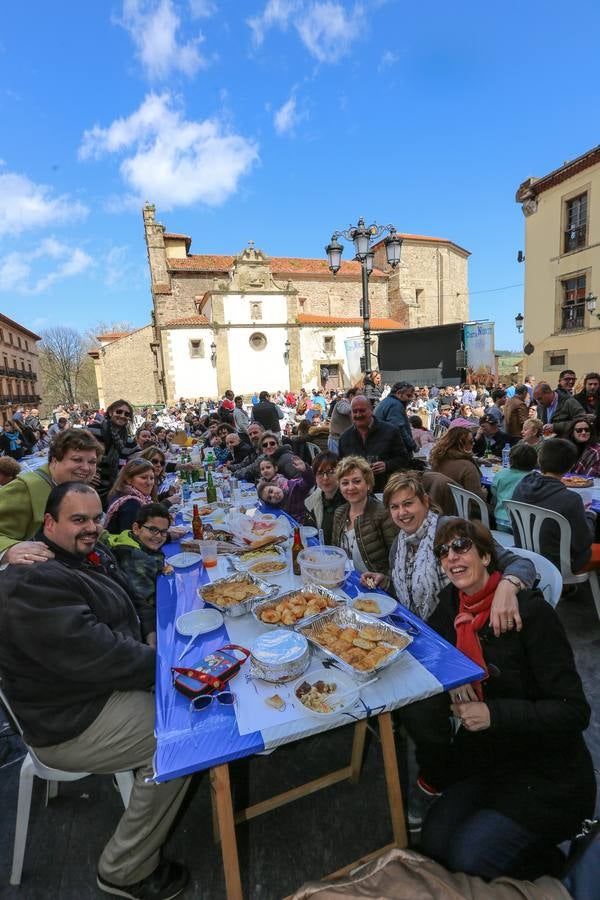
(258, 341)
(196, 348)
(419, 292)
(255, 310)
(329, 343)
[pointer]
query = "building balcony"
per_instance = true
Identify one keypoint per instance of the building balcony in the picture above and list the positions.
(573, 317)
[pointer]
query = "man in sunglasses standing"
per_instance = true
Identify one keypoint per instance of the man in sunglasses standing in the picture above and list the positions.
(79, 680)
(114, 433)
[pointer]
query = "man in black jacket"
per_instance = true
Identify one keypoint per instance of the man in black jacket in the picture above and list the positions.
(589, 396)
(378, 442)
(490, 437)
(79, 680)
(267, 413)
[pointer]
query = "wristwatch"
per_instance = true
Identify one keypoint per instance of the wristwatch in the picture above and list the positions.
(513, 580)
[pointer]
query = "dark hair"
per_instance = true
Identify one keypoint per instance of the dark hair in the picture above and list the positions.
(133, 468)
(415, 421)
(591, 375)
(521, 389)
(580, 446)
(116, 403)
(498, 394)
(475, 531)
(401, 386)
(264, 395)
(151, 511)
(557, 456)
(239, 397)
(523, 457)
(60, 491)
(323, 459)
(73, 439)
(566, 372)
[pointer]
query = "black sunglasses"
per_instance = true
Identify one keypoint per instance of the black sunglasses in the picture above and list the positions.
(269, 443)
(122, 412)
(458, 545)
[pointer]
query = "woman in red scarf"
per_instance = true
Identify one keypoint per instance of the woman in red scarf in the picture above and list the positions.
(135, 487)
(518, 778)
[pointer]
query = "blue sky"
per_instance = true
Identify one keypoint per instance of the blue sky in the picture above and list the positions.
(277, 121)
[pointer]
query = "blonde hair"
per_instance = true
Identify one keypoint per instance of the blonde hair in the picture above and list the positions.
(537, 424)
(348, 463)
(405, 481)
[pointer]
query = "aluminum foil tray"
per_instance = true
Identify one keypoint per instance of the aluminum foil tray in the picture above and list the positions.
(272, 602)
(246, 605)
(279, 656)
(346, 617)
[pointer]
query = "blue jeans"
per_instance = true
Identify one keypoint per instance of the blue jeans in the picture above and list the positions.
(465, 837)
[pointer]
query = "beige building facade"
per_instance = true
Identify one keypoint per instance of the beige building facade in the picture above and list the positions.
(252, 322)
(562, 267)
(18, 367)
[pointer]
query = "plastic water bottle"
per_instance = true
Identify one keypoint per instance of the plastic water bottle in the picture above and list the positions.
(506, 456)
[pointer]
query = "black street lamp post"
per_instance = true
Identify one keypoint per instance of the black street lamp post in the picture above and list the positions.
(362, 237)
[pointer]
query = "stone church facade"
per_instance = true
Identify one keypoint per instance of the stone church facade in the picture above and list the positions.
(252, 322)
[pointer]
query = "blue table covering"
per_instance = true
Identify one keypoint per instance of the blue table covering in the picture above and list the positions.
(189, 742)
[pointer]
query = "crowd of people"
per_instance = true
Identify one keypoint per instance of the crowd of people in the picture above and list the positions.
(81, 547)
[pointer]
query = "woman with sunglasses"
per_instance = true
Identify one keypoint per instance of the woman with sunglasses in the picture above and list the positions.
(516, 778)
(583, 436)
(280, 454)
(133, 488)
(159, 464)
(114, 433)
(416, 577)
(322, 503)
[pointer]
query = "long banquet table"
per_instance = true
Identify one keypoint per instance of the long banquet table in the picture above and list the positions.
(189, 742)
(488, 475)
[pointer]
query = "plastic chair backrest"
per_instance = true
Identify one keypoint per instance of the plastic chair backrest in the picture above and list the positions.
(550, 579)
(527, 522)
(6, 704)
(463, 500)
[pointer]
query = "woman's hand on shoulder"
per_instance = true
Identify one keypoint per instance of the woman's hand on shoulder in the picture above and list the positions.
(504, 614)
(371, 579)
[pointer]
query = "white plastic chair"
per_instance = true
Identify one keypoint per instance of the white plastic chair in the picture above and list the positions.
(32, 766)
(463, 500)
(528, 521)
(550, 580)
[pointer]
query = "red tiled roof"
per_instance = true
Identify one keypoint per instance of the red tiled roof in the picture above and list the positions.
(190, 321)
(162, 289)
(533, 186)
(376, 324)
(172, 234)
(112, 335)
(279, 265)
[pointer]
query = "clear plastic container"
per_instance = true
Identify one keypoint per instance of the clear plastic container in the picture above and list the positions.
(323, 565)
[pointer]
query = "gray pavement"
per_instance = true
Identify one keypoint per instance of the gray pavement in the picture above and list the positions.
(278, 851)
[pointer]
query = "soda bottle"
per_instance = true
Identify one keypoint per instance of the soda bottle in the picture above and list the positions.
(296, 548)
(211, 491)
(197, 527)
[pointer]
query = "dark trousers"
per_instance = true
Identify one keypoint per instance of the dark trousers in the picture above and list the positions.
(462, 835)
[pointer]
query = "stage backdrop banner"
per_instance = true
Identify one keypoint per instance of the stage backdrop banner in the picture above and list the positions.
(479, 344)
(355, 349)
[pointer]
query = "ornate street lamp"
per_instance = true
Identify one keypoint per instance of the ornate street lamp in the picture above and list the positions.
(362, 237)
(519, 320)
(213, 353)
(590, 302)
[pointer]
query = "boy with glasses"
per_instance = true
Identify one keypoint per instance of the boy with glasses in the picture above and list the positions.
(141, 560)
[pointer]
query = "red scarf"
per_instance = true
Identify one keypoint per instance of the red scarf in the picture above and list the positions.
(473, 615)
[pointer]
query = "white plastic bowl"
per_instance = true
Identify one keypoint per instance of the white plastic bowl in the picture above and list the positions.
(323, 565)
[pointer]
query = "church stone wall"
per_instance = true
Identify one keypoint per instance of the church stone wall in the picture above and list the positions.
(128, 369)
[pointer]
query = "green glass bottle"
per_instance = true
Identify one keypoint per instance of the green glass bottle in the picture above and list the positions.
(211, 491)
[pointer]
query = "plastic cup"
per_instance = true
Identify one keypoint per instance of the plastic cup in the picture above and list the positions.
(208, 552)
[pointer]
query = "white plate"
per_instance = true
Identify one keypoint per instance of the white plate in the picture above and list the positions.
(387, 604)
(199, 621)
(344, 683)
(184, 560)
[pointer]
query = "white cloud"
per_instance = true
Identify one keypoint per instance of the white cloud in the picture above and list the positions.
(122, 268)
(388, 58)
(17, 268)
(202, 9)
(153, 26)
(287, 117)
(171, 160)
(25, 204)
(326, 28)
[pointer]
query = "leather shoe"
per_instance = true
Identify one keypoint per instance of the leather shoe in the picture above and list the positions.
(167, 881)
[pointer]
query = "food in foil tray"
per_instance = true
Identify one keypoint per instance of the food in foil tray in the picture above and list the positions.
(295, 607)
(226, 594)
(361, 647)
